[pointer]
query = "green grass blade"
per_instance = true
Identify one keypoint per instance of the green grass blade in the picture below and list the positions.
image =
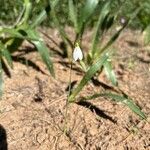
(62, 32)
(6, 54)
(103, 13)
(108, 22)
(13, 33)
(28, 8)
(54, 3)
(41, 16)
(147, 35)
(111, 41)
(109, 72)
(116, 35)
(88, 75)
(125, 100)
(73, 15)
(43, 50)
(87, 11)
(39, 19)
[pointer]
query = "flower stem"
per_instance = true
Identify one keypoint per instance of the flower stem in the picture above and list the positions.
(67, 101)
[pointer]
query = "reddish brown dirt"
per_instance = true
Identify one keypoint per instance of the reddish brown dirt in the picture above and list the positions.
(32, 109)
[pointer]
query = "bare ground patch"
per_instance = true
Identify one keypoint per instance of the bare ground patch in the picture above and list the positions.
(33, 106)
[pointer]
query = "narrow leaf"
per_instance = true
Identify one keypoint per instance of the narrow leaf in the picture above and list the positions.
(107, 22)
(62, 32)
(89, 74)
(27, 12)
(73, 14)
(43, 50)
(125, 100)
(39, 19)
(13, 33)
(146, 34)
(109, 72)
(53, 3)
(6, 54)
(111, 41)
(116, 35)
(102, 15)
(41, 16)
(87, 11)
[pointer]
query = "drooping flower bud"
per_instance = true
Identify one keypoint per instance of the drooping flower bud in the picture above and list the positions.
(77, 53)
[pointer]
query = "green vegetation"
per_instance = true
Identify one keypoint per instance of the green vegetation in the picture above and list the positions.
(12, 36)
(18, 23)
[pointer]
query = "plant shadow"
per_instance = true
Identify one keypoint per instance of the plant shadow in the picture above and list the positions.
(27, 62)
(62, 52)
(74, 68)
(20, 57)
(96, 82)
(26, 50)
(133, 44)
(3, 139)
(143, 60)
(96, 110)
(71, 86)
(6, 69)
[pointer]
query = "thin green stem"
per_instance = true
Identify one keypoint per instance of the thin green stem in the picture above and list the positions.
(26, 15)
(67, 102)
(70, 74)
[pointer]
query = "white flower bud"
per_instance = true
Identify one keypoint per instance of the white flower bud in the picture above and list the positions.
(77, 53)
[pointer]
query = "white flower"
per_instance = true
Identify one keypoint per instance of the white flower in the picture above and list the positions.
(77, 53)
(122, 21)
